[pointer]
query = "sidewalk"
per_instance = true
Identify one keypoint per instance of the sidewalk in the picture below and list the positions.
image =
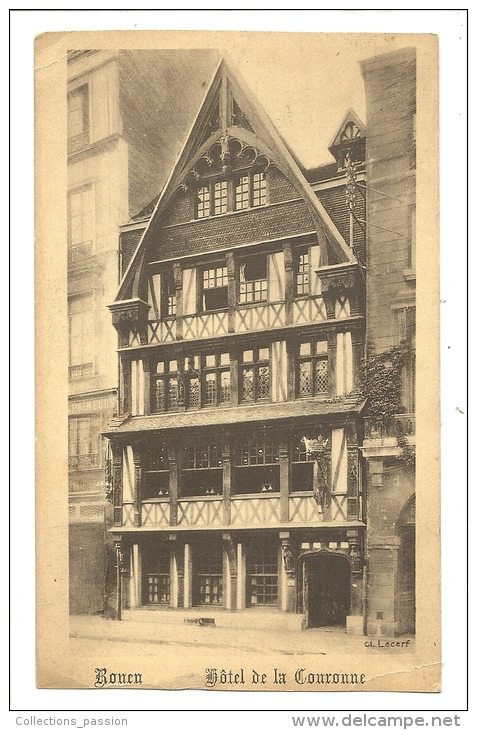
(170, 629)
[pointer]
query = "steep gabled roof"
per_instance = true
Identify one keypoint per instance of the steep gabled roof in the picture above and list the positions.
(231, 110)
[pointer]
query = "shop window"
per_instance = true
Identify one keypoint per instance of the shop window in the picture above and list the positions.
(262, 575)
(215, 288)
(156, 472)
(255, 375)
(312, 368)
(257, 468)
(167, 389)
(202, 469)
(157, 575)
(253, 279)
(301, 478)
(208, 575)
(78, 119)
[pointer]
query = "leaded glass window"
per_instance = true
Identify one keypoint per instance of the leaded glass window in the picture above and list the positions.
(312, 367)
(255, 375)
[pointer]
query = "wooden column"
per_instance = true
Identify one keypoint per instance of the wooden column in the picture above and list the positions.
(234, 377)
(177, 272)
(125, 385)
(146, 364)
(332, 363)
(117, 452)
(241, 577)
(174, 571)
(284, 462)
(137, 486)
(230, 556)
(232, 290)
(288, 257)
(135, 582)
(288, 581)
(226, 480)
(173, 482)
(187, 576)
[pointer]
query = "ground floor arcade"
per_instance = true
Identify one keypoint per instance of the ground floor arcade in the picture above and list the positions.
(316, 573)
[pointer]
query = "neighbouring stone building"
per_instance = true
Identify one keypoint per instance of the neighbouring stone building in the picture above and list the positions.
(390, 86)
(125, 125)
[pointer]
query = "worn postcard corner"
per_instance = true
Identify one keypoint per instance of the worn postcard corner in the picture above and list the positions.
(235, 412)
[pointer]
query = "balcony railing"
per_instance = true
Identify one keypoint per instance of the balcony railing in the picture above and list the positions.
(84, 461)
(403, 424)
(80, 371)
(78, 253)
(244, 510)
(78, 142)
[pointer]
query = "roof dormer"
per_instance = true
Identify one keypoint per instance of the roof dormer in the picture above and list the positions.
(350, 138)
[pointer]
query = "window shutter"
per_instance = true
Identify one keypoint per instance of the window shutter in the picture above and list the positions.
(189, 289)
(315, 281)
(276, 266)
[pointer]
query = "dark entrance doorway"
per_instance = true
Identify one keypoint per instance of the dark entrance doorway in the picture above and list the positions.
(328, 589)
(406, 583)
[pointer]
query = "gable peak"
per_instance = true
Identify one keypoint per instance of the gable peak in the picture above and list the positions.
(350, 137)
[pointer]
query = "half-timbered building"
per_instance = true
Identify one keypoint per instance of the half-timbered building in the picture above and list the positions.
(236, 466)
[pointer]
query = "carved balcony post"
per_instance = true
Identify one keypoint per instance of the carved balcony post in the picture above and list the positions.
(178, 283)
(117, 453)
(288, 259)
(137, 486)
(288, 569)
(284, 462)
(173, 482)
(227, 480)
(232, 290)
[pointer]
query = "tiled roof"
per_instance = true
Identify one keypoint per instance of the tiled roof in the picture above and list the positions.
(323, 172)
(242, 414)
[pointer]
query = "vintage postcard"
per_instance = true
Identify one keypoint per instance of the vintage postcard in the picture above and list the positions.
(237, 361)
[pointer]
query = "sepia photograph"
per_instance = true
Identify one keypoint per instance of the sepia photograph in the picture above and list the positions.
(246, 483)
